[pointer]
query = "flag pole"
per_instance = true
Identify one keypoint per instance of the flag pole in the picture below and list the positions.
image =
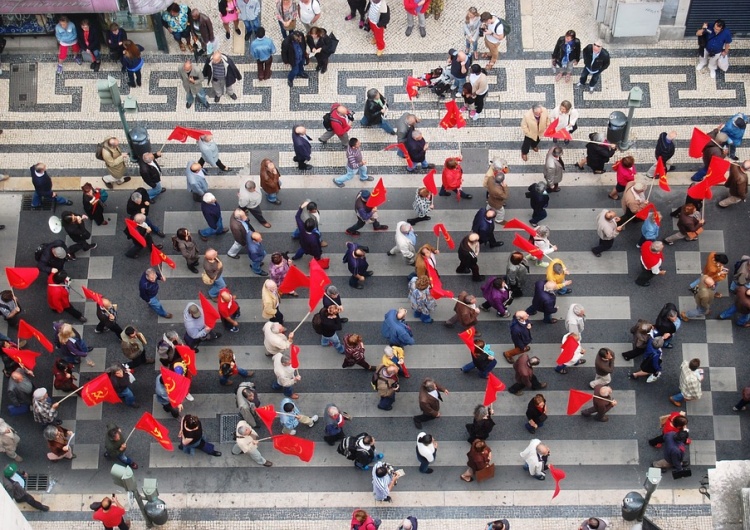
(460, 302)
(302, 321)
(604, 399)
(626, 222)
(163, 146)
(651, 188)
(129, 435)
(71, 394)
(331, 299)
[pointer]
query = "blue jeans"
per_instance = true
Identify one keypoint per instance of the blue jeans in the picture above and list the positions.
(127, 396)
(257, 266)
(297, 69)
(678, 397)
(201, 96)
(698, 312)
(731, 310)
(251, 25)
(383, 125)
(225, 379)
(458, 83)
(699, 175)
(472, 47)
(154, 192)
(155, 229)
(350, 172)
(288, 390)
(468, 367)
(218, 285)
(213, 231)
(155, 304)
(332, 341)
(183, 34)
(271, 197)
(125, 459)
(423, 463)
(386, 403)
(410, 167)
(36, 200)
(424, 317)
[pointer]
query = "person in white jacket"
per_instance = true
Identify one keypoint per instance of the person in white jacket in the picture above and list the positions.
(286, 376)
(536, 455)
(426, 451)
(567, 117)
(274, 339)
(406, 241)
(247, 442)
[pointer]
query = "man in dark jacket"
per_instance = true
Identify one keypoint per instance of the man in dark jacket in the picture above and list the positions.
(115, 446)
(520, 334)
(302, 147)
(602, 403)
(665, 148)
(676, 456)
(330, 323)
(544, 300)
(429, 401)
(149, 289)
(53, 258)
(293, 54)
(309, 235)
(204, 33)
(43, 187)
(716, 147)
(525, 378)
(145, 231)
(365, 215)
(76, 230)
(151, 173)
(595, 61)
(417, 148)
(12, 483)
(376, 107)
(223, 74)
(212, 214)
(89, 41)
(566, 55)
(484, 225)
(139, 203)
(737, 184)
(356, 261)
(240, 228)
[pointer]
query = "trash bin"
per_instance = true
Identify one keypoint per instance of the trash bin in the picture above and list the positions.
(157, 511)
(141, 142)
(632, 505)
(616, 127)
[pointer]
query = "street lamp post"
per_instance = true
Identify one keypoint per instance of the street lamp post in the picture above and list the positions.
(634, 505)
(634, 101)
(123, 477)
(109, 92)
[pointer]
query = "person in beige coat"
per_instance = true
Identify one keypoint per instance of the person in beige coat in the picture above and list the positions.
(554, 168)
(9, 441)
(274, 339)
(633, 201)
(116, 161)
(271, 300)
(533, 124)
(497, 190)
(134, 347)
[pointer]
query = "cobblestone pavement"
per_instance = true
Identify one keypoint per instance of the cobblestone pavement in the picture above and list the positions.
(68, 120)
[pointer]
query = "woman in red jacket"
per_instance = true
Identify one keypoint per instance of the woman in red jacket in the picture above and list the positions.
(362, 521)
(58, 295)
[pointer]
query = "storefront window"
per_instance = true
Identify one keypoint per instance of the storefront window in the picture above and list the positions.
(130, 22)
(27, 24)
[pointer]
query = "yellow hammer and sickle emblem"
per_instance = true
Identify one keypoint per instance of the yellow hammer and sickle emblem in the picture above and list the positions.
(170, 388)
(157, 433)
(375, 192)
(100, 394)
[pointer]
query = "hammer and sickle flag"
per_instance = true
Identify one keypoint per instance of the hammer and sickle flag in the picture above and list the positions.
(188, 357)
(468, 337)
(25, 358)
(178, 386)
(378, 195)
(440, 228)
(148, 424)
(318, 281)
(27, 331)
(158, 257)
(99, 390)
(294, 446)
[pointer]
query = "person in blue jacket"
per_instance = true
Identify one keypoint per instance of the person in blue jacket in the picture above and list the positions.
(356, 261)
(395, 330)
(735, 129)
(302, 147)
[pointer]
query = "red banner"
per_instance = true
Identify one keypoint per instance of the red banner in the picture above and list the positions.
(294, 446)
(429, 182)
(21, 277)
(698, 141)
(158, 257)
(436, 289)
(551, 128)
(453, 117)
(318, 281)
(26, 331)
(148, 424)
(294, 354)
(402, 148)
(515, 223)
(92, 295)
(210, 313)
(467, 337)
(527, 246)
(412, 86)
(25, 358)
(642, 214)
(178, 386)
(567, 350)
(267, 414)
(293, 280)
(132, 227)
(181, 134)
(378, 195)
(576, 400)
(558, 475)
(440, 228)
(494, 385)
(99, 390)
(187, 354)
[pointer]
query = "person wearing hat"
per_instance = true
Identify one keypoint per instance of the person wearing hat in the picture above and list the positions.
(734, 128)
(9, 441)
(633, 201)
(595, 61)
(58, 443)
(365, 215)
(212, 214)
(15, 485)
(196, 330)
(53, 257)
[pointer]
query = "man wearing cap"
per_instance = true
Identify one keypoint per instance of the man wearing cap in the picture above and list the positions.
(15, 484)
(718, 38)
(53, 258)
(665, 148)
(595, 61)
(633, 201)
(45, 412)
(9, 441)
(406, 241)
(365, 215)
(497, 190)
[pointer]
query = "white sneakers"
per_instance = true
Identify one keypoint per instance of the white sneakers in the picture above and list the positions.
(314, 419)
(713, 74)
(699, 67)
(190, 397)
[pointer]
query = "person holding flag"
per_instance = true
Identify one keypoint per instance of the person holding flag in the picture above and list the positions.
(119, 376)
(106, 312)
(191, 437)
(689, 225)
(115, 446)
(468, 255)
(466, 312)
(365, 214)
(453, 175)
(571, 353)
(566, 118)
(247, 442)
(737, 184)
(482, 358)
(498, 191)
(601, 404)
(58, 295)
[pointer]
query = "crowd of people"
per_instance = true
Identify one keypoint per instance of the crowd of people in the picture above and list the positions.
(194, 29)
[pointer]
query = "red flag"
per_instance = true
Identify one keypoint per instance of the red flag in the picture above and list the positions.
(700, 191)
(26, 358)
(429, 182)
(577, 399)
(178, 386)
(148, 424)
(181, 134)
(642, 214)
(294, 354)
(436, 288)
(378, 195)
(527, 246)
(132, 227)
(494, 385)
(467, 337)
(558, 475)
(21, 277)
(412, 86)
(661, 173)
(92, 295)
(26, 331)
(294, 446)
(318, 280)
(293, 280)
(663, 184)
(551, 128)
(562, 134)
(568, 349)
(402, 148)
(158, 257)
(187, 354)
(515, 223)
(99, 390)
(210, 313)
(267, 414)
(440, 227)
(716, 171)
(698, 141)
(453, 117)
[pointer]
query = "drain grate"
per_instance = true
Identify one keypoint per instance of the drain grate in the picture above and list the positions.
(37, 482)
(228, 427)
(23, 86)
(26, 203)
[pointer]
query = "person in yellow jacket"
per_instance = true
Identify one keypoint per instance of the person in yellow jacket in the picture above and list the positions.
(556, 272)
(394, 355)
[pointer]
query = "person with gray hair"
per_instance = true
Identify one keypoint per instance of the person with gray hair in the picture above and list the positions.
(410, 523)
(248, 402)
(652, 258)
(192, 81)
(406, 241)
(607, 229)
(497, 189)
(210, 153)
(274, 339)
(195, 178)
(533, 124)
(417, 148)
(575, 319)
(140, 202)
(544, 300)
(598, 153)
(144, 229)
(602, 403)
(554, 168)
(151, 173)
(247, 443)
(250, 199)
(196, 330)
(539, 200)
(376, 108)
(286, 376)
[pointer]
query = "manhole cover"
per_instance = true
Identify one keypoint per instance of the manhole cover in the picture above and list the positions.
(23, 86)
(26, 203)
(37, 482)
(228, 427)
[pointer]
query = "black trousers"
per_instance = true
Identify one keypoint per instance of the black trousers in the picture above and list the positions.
(31, 501)
(603, 246)
(535, 385)
(357, 6)
(529, 144)
(644, 277)
(421, 418)
(632, 354)
(257, 213)
(467, 263)
(219, 164)
(278, 317)
(74, 312)
(111, 325)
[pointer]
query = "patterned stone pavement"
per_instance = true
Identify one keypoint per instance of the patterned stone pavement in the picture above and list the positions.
(68, 120)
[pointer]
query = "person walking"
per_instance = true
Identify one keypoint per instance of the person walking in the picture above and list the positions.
(376, 108)
(422, 302)
(468, 255)
(365, 215)
(148, 288)
(604, 366)
(340, 123)
(42, 183)
(213, 270)
(704, 295)
(212, 214)
(536, 413)
(132, 62)
(9, 441)
(293, 54)
(554, 168)
(520, 334)
(536, 456)
(539, 200)
(355, 163)
(691, 377)
(115, 446)
(210, 153)
(602, 403)
(246, 441)
(427, 447)
(406, 242)
(595, 61)
(111, 513)
(191, 437)
(480, 457)
(524, 375)
(249, 200)
(430, 396)
(76, 229)
(270, 180)
(482, 358)
(354, 352)
(607, 229)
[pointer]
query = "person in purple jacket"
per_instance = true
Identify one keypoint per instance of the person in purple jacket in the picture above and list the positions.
(365, 215)
(544, 300)
(356, 260)
(496, 295)
(309, 235)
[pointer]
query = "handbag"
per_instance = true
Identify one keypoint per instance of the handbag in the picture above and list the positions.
(485, 473)
(723, 63)
(693, 235)
(206, 278)
(334, 43)
(103, 195)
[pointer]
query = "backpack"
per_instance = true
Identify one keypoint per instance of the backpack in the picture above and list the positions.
(374, 379)
(506, 26)
(327, 121)
(38, 251)
(334, 44)
(99, 153)
(346, 447)
(175, 244)
(737, 265)
(317, 324)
